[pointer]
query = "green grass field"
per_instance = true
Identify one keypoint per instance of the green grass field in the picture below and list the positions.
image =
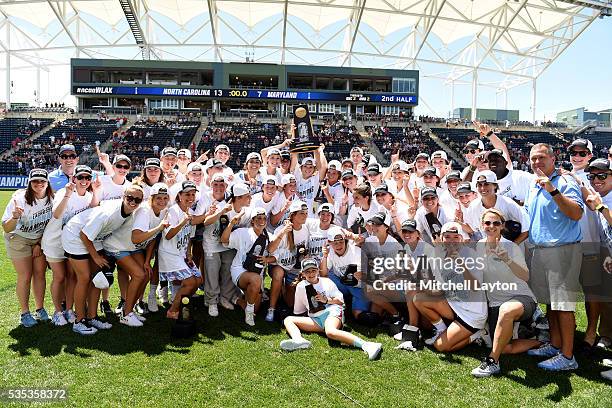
(228, 364)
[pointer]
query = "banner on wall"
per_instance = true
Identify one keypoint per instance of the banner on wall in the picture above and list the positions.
(13, 182)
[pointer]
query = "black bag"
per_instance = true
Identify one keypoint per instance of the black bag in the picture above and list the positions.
(435, 226)
(314, 305)
(409, 333)
(511, 230)
(301, 252)
(358, 226)
(348, 278)
(251, 264)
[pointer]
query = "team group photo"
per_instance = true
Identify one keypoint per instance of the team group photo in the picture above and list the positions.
(283, 229)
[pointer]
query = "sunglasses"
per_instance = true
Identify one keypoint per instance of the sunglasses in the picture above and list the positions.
(494, 223)
(79, 177)
(471, 151)
(599, 176)
(132, 199)
(123, 166)
(582, 153)
(68, 156)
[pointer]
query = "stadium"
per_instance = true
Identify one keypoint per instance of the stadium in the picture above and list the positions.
(205, 93)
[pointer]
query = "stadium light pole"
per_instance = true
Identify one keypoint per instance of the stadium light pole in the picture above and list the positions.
(533, 101)
(474, 93)
(8, 68)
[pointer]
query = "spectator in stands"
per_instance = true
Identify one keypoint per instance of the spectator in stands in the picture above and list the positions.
(555, 206)
(68, 160)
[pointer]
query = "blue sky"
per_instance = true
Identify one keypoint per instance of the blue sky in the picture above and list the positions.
(581, 76)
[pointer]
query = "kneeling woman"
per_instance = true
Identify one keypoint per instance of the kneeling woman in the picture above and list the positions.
(82, 239)
(460, 316)
(174, 253)
(251, 256)
(504, 262)
(323, 302)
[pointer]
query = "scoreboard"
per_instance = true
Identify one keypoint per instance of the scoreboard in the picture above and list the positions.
(249, 94)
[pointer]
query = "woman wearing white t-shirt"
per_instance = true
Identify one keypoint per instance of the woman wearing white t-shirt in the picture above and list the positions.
(251, 257)
(460, 314)
(381, 244)
(268, 195)
(364, 207)
(317, 229)
(149, 221)
(218, 286)
(151, 174)
(76, 197)
(309, 175)
(289, 244)
(24, 221)
(251, 174)
(505, 263)
(114, 185)
(327, 319)
(175, 261)
(82, 239)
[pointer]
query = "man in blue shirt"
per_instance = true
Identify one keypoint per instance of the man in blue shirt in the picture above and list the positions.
(554, 204)
(68, 159)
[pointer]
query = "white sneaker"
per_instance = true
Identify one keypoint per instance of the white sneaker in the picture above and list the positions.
(292, 345)
(270, 315)
(226, 304)
(140, 317)
(162, 293)
(130, 320)
(100, 325)
(59, 319)
(249, 318)
(70, 316)
(213, 310)
(152, 303)
(372, 350)
(83, 329)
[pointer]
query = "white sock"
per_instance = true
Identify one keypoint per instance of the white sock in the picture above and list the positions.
(440, 326)
(250, 307)
(476, 335)
(152, 290)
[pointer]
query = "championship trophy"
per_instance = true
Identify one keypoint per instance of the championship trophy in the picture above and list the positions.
(304, 138)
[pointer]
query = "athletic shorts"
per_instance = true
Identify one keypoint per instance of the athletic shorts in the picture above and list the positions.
(18, 247)
(529, 306)
(359, 301)
(121, 254)
(461, 323)
(329, 312)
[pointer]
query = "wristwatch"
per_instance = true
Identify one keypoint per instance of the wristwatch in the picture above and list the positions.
(601, 207)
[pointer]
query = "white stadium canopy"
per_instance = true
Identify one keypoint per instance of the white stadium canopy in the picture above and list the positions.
(495, 43)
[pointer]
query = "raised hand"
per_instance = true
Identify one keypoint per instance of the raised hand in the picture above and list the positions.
(203, 157)
(17, 211)
(543, 181)
(593, 199)
(104, 158)
(458, 213)
(70, 186)
(164, 223)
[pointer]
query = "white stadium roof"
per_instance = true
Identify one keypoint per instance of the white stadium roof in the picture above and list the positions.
(499, 43)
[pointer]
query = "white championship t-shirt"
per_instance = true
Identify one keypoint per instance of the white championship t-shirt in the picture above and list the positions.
(172, 252)
(35, 217)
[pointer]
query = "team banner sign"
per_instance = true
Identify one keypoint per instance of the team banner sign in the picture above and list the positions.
(264, 94)
(13, 182)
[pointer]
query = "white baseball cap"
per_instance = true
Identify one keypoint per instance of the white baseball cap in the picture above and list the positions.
(486, 176)
(185, 152)
(298, 205)
(159, 188)
(308, 160)
(287, 178)
(194, 166)
(238, 190)
(439, 154)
